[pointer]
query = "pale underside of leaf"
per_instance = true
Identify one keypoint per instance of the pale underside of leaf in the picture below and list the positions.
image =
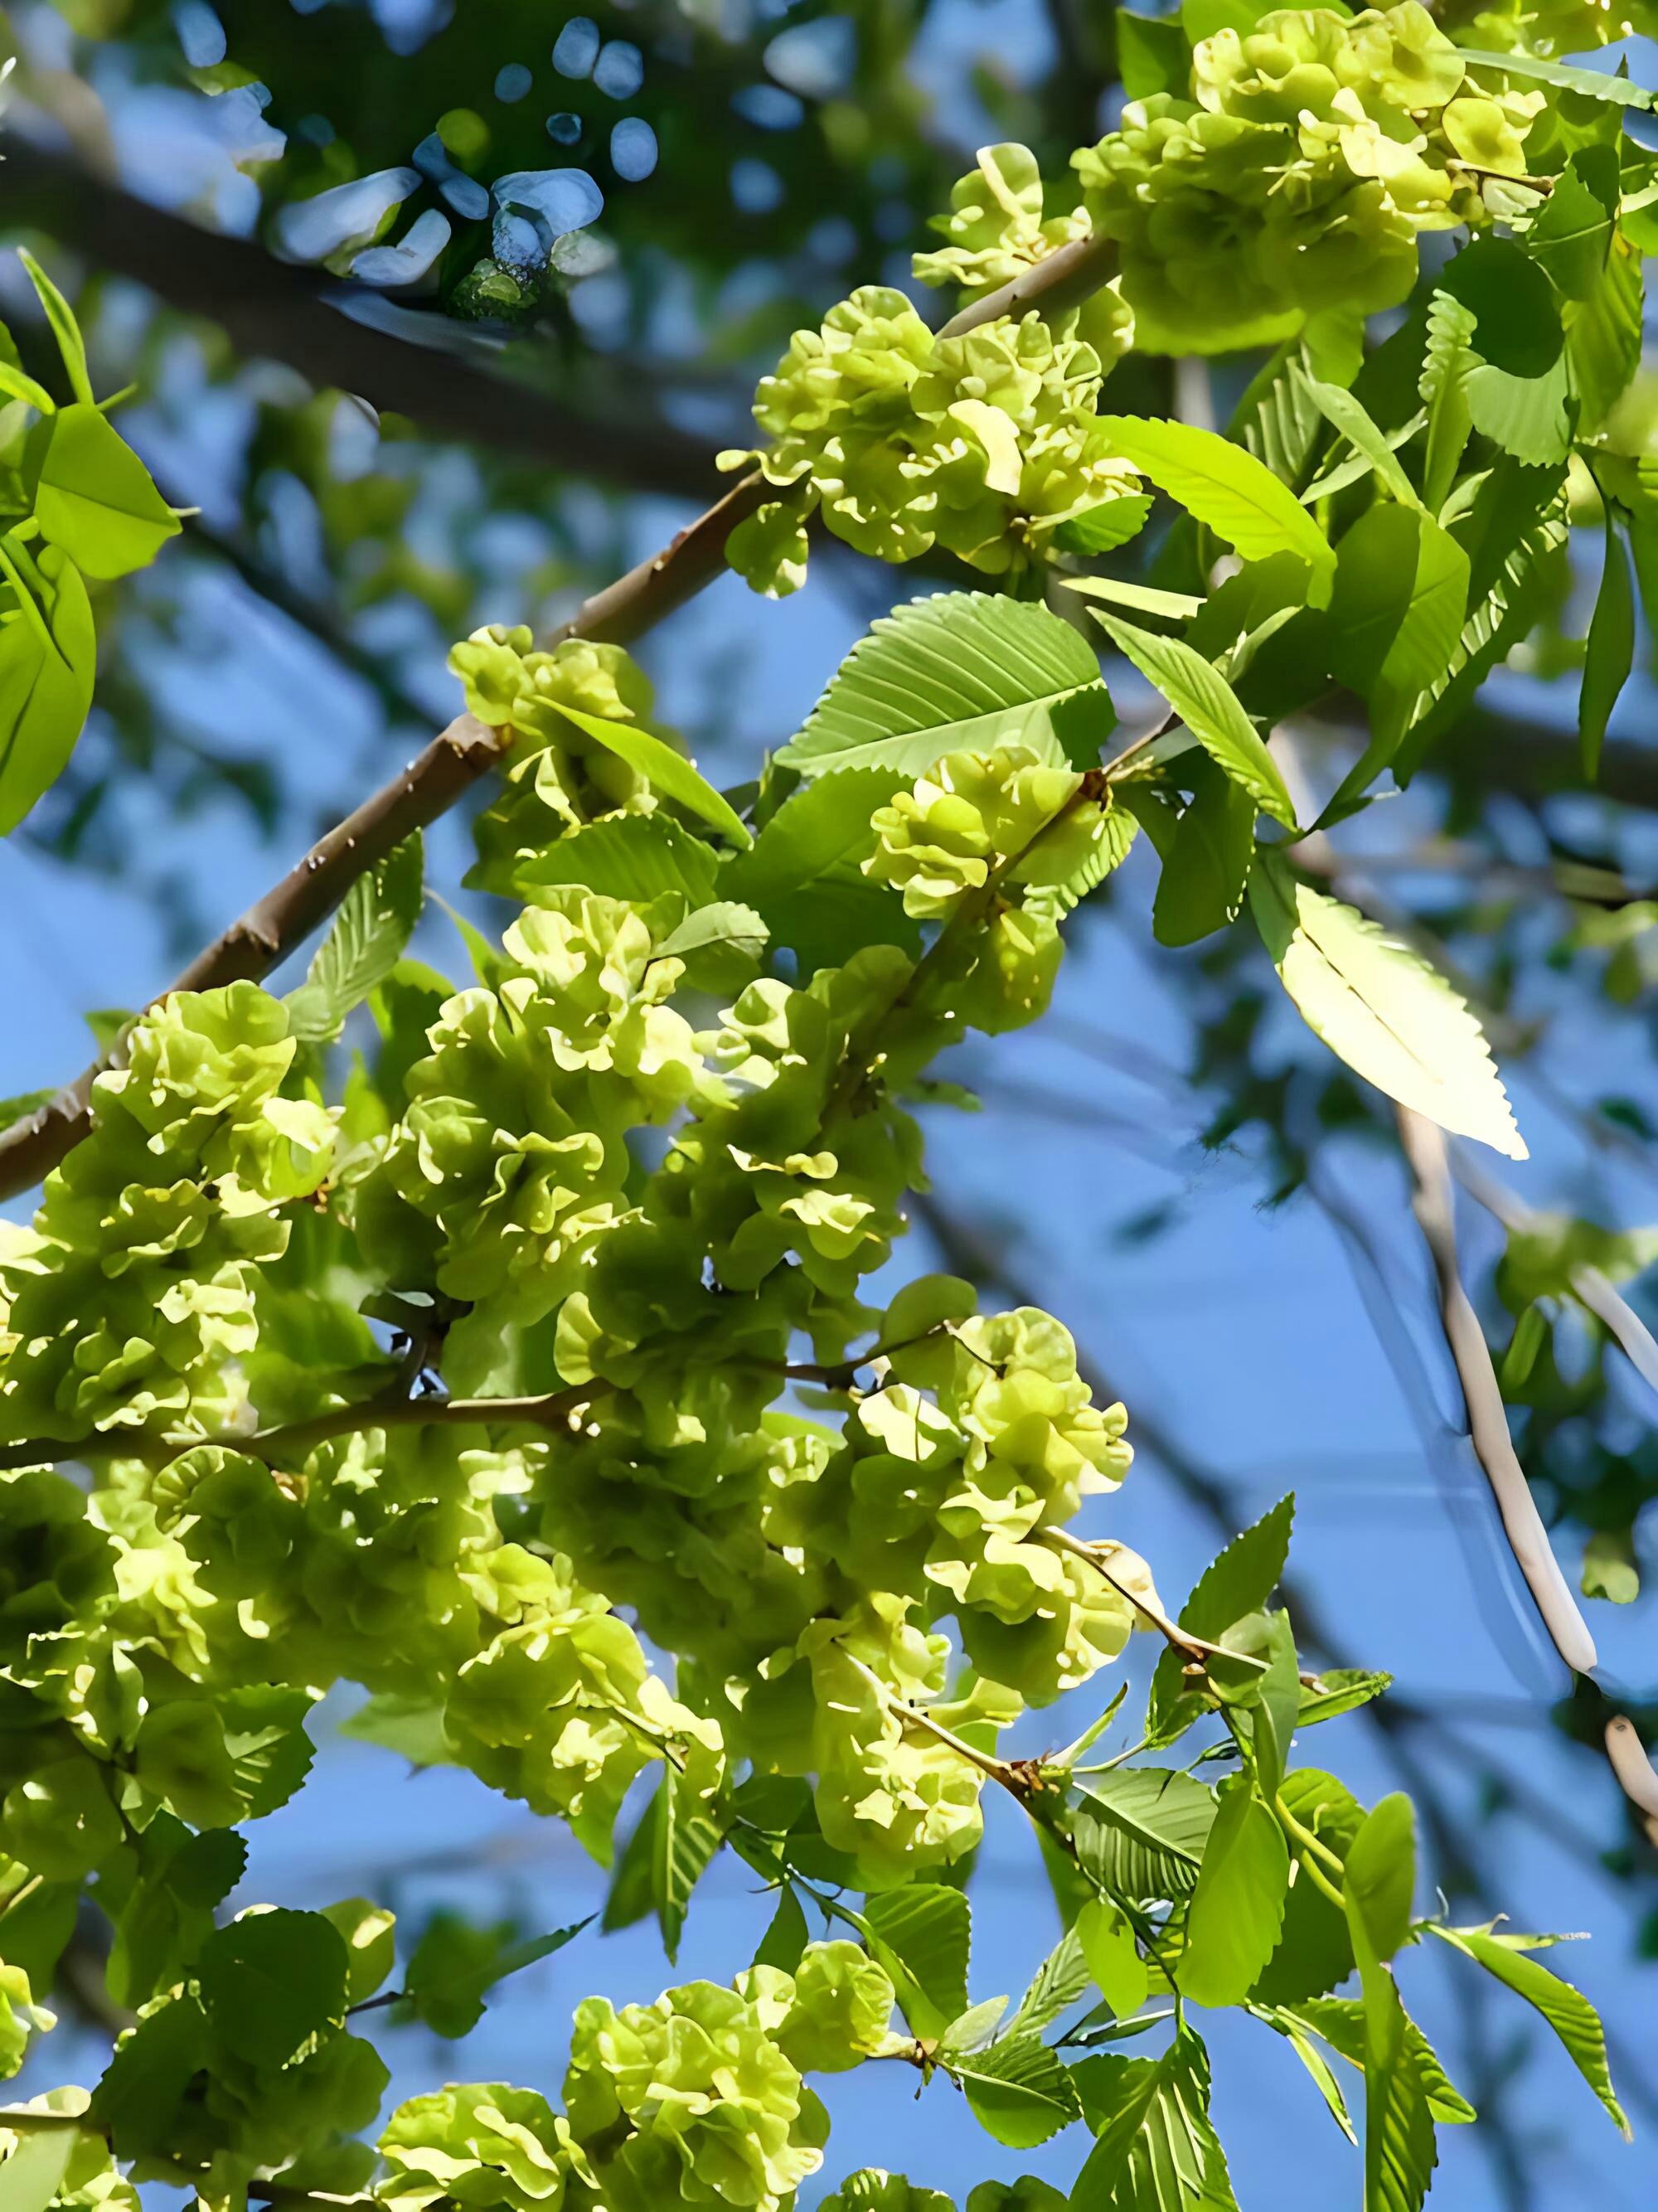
(1383, 1010)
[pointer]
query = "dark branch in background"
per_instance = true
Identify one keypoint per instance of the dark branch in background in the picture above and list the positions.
(257, 940)
(304, 613)
(1528, 755)
(280, 313)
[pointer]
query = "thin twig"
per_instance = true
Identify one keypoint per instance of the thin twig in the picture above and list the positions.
(274, 925)
(1424, 1144)
(1196, 1648)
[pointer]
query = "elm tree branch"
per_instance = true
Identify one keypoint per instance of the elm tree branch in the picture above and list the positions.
(622, 611)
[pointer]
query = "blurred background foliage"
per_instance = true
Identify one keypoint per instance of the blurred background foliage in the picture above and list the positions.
(439, 311)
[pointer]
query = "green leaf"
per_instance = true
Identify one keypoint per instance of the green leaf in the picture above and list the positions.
(1062, 1979)
(1400, 2150)
(1019, 2090)
(1145, 598)
(1593, 84)
(1566, 2009)
(1155, 2149)
(631, 1884)
(1447, 362)
(684, 1842)
(1265, 1699)
(1609, 1568)
(1112, 1956)
(963, 671)
(1610, 653)
(166, 1915)
(1152, 55)
(369, 1934)
(375, 921)
(97, 500)
(455, 1966)
(1346, 1688)
(1380, 1882)
(804, 877)
(1223, 487)
(669, 772)
(1205, 876)
(48, 656)
(1603, 337)
(137, 2099)
(1570, 234)
(32, 2174)
(23, 1102)
(1340, 2022)
(1383, 1010)
(787, 1936)
(1319, 2067)
(1530, 416)
(922, 1935)
(1314, 1953)
(16, 386)
(264, 1736)
(970, 2031)
(1202, 19)
(721, 946)
(1237, 1912)
(1518, 525)
(628, 856)
(1513, 303)
(1396, 612)
(1140, 1831)
(1348, 415)
(1236, 1583)
(1210, 708)
(65, 328)
(408, 1723)
(1276, 420)
(271, 1980)
(1105, 525)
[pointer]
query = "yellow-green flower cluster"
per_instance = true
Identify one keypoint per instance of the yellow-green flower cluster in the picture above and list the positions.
(996, 227)
(697, 2099)
(555, 777)
(1007, 811)
(513, 1154)
(131, 1299)
(984, 444)
(175, 1627)
(1549, 29)
(1312, 153)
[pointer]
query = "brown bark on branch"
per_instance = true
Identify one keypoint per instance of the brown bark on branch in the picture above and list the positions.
(1063, 279)
(284, 917)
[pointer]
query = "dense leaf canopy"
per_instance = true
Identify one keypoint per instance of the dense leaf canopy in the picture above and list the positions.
(536, 1353)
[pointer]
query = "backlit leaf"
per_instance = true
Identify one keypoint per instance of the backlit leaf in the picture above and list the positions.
(963, 671)
(1223, 487)
(1383, 1010)
(97, 500)
(1210, 708)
